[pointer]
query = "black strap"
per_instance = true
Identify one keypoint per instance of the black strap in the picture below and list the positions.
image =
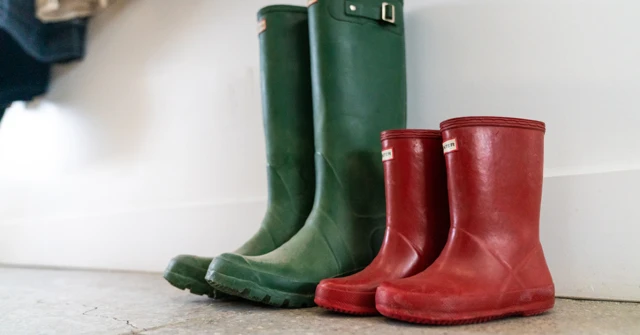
(383, 12)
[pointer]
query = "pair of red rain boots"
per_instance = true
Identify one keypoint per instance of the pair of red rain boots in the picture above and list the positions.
(462, 241)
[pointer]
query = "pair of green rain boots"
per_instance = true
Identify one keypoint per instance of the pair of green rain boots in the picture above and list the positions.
(333, 77)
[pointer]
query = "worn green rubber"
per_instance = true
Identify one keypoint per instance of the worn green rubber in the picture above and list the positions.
(187, 272)
(359, 90)
(288, 126)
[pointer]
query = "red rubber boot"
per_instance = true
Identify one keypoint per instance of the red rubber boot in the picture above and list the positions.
(417, 221)
(492, 265)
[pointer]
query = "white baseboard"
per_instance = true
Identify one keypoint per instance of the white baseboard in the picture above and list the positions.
(139, 241)
(590, 231)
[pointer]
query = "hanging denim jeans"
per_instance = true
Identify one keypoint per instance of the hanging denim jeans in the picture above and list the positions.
(47, 42)
(21, 76)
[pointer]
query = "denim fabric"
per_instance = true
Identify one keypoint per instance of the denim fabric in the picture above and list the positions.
(21, 76)
(47, 42)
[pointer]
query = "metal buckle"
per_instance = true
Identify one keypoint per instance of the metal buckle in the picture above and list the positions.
(385, 6)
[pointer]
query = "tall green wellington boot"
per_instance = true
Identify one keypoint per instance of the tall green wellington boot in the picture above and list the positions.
(359, 90)
(288, 127)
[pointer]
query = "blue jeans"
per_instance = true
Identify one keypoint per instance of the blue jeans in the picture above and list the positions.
(22, 77)
(47, 42)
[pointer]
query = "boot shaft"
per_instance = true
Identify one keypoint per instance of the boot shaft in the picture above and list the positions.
(285, 81)
(359, 90)
(287, 105)
(416, 189)
(495, 172)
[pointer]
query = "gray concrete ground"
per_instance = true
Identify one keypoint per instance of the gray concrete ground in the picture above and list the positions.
(76, 302)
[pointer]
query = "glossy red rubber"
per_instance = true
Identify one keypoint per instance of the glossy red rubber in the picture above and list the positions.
(493, 265)
(417, 221)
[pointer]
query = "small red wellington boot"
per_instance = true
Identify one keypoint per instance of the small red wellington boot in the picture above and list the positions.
(492, 265)
(417, 221)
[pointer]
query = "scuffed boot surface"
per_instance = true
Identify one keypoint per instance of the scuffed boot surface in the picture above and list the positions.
(493, 265)
(359, 90)
(187, 272)
(417, 221)
(288, 127)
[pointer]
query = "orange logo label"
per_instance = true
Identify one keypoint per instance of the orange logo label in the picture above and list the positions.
(262, 26)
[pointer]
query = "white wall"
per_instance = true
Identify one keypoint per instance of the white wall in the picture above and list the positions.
(153, 145)
(149, 147)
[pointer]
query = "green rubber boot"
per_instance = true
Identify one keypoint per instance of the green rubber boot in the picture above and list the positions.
(359, 90)
(288, 127)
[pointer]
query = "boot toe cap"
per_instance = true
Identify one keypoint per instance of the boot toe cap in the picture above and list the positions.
(188, 272)
(189, 263)
(190, 267)
(232, 265)
(397, 297)
(343, 296)
(251, 278)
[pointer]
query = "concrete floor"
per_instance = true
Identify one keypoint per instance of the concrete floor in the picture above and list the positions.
(75, 302)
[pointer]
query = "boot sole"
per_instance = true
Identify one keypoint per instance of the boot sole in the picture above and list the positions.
(194, 286)
(186, 283)
(345, 308)
(254, 292)
(465, 318)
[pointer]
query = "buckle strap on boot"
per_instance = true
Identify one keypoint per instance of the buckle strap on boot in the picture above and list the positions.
(385, 12)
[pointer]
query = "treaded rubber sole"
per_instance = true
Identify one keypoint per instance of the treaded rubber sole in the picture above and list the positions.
(251, 291)
(453, 319)
(345, 309)
(193, 286)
